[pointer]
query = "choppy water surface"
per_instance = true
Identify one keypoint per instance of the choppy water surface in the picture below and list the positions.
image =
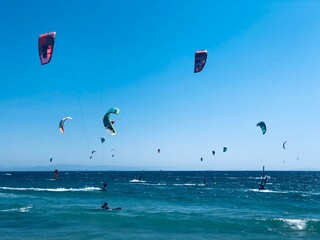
(160, 205)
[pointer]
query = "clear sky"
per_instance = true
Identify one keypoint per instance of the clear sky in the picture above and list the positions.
(263, 65)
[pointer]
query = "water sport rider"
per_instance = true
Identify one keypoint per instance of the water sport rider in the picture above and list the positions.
(105, 206)
(263, 183)
(104, 186)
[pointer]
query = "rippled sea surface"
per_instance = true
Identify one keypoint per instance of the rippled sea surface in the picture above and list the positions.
(160, 205)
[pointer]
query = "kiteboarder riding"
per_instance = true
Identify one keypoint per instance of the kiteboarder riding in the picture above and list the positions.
(105, 206)
(104, 187)
(263, 181)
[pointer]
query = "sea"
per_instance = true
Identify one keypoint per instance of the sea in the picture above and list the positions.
(160, 205)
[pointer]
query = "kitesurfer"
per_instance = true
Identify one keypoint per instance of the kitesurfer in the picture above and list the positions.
(105, 206)
(263, 183)
(104, 187)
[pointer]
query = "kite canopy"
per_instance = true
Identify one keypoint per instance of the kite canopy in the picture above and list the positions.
(213, 153)
(61, 124)
(200, 60)
(102, 139)
(158, 150)
(263, 127)
(45, 47)
(108, 123)
(93, 151)
(284, 145)
(225, 149)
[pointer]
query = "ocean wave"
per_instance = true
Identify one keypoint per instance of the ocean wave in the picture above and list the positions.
(266, 191)
(85, 189)
(296, 224)
(22, 209)
(9, 195)
(137, 181)
(186, 184)
(6, 174)
(154, 184)
(233, 177)
(257, 178)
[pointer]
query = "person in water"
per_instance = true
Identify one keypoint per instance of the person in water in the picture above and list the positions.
(263, 183)
(105, 206)
(104, 186)
(261, 186)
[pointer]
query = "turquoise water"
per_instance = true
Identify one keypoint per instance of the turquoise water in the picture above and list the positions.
(162, 205)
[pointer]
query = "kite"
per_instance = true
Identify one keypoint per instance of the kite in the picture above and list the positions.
(45, 47)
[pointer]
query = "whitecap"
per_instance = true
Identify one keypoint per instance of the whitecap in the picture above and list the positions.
(266, 191)
(296, 224)
(137, 181)
(184, 184)
(22, 209)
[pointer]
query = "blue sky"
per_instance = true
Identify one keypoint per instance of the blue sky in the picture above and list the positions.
(263, 64)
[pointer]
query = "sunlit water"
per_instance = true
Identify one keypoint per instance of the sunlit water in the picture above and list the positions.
(160, 205)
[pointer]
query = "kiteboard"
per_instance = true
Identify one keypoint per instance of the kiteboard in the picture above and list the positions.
(113, 209)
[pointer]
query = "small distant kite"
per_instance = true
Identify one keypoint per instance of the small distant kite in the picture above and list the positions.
(61, 124)
(51, 159)
(112, 150)
(158, 150)
(213, 153)
(93, 152)
(284, 145)
(201, 159)
(263, 127)
(200, 60)
(225, 149)
(102, 139)
(91, 157)
(45, 46)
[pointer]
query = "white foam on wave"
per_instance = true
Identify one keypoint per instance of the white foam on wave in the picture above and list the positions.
(185, 184)
(257, 178)
(85, 189)
(6, 174)
(9, 195)
(296, 224)
(266, 191)
(137, 181)
(233, 177)
(22, 209)
(154, 184)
